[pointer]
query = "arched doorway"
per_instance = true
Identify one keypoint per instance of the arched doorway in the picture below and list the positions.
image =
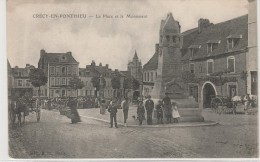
(208, 92)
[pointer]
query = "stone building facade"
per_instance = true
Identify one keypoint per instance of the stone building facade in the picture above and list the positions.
(60, 68)
(252, 48)
(93, 70)
(216, 55)
(20, 82)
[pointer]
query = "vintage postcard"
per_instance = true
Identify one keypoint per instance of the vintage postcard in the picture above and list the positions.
(130, 79)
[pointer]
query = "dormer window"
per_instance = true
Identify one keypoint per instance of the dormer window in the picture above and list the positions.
(232, 41)
(212, 45)
(193, 50)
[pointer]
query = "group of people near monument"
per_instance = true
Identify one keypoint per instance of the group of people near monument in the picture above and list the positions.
(164, 108)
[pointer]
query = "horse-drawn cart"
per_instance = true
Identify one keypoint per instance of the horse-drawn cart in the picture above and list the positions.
(223, 104)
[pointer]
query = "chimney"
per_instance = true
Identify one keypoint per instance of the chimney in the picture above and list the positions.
(93, 63)
(100, 64)
(202, 24)
(116, 70)
(107, 66)
(16, 67)
(42, 52)
(27, 65)
(69, 53)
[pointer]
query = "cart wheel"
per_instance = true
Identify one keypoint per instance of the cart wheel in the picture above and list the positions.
(217, 105)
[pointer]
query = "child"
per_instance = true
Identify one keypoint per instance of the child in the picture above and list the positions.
(175, 112)
(159, 111)
(140, 112)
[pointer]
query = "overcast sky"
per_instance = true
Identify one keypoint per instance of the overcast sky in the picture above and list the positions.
(110, 41)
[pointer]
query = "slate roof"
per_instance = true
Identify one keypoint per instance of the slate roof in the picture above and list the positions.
(95, 70)
(152, 64)
(57, 58)
(218, 33)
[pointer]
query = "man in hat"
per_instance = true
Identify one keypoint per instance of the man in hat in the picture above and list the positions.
(113, 110)
(149, 105)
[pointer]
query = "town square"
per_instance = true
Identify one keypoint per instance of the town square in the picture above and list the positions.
(116, 82)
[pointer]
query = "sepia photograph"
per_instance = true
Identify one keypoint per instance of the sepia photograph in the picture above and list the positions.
(132, 79)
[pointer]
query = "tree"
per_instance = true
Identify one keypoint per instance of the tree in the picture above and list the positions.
(115, 82)
(96, 82)
(75, 83)
(131, 83)
(38, 78)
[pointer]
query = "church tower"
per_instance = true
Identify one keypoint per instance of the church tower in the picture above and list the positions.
(135, 67)
(169, 59)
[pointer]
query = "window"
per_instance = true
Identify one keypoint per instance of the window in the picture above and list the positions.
(52, 81)
(230, 44)
(155, 74)
(19, 73)
(231, 64)
(52, 71)
(86, 83)
(168, 38)
(28, 83)
(63, 70)
(63, 81)
(69, 70)
(58, 70)
(152, 76)
(192, 68)
(210, 66)
(74, 70)
(20, 83)
(211, 47)
(68, 80)
(144, 76)
(148, 77)
(57, 81)
(192, 51)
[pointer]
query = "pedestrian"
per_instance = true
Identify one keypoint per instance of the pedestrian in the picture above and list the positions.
(159, 111)
(72, 104)
(125, 107)
(112, 109)
(103, 107)
(175, 112)
(140, 112)
(149, 105)
(167, 107)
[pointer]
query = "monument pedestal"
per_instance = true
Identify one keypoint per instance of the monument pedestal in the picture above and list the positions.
(188, 108)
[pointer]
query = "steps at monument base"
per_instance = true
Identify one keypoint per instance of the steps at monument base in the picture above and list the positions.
(190, 115)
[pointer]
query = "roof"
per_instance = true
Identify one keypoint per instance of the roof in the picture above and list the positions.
(91, 70)
(135, 56)
(126, 73)
(59, 58)
(217, 33)
(152, 64)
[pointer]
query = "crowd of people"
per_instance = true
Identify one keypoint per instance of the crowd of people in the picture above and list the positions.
(164, 108)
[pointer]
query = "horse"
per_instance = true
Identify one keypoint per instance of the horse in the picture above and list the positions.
(19, 110)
